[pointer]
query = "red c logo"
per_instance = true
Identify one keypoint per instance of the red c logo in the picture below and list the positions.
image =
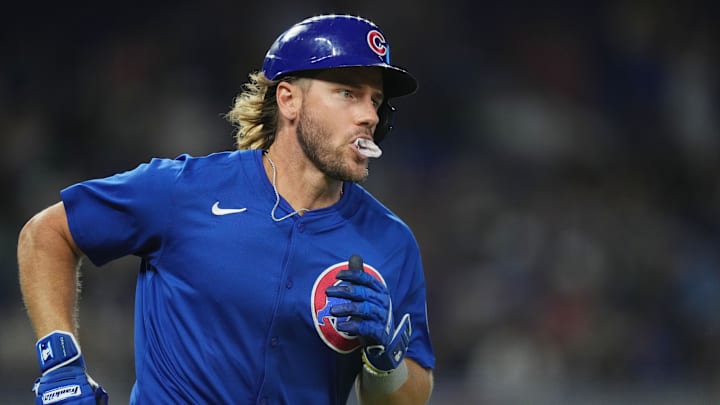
(325, 323)
(377, 43)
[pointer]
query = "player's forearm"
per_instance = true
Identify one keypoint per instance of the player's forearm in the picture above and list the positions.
(415, 391)
(48, 261)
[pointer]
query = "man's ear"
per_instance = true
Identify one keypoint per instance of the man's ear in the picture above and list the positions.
(288, 98)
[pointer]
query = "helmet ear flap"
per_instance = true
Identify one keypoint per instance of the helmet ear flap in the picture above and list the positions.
(386, 123)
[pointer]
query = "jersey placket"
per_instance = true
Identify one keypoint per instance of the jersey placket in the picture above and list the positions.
(269, 392)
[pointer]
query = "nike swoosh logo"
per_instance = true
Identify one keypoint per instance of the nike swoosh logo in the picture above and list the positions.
(216, 210)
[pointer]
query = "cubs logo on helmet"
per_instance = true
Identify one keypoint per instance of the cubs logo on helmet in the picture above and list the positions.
(325, 322)
(377, 43)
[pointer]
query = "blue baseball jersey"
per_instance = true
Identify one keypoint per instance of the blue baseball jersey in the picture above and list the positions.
(230, 304)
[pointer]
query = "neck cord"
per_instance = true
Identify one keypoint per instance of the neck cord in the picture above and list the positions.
(277, 195)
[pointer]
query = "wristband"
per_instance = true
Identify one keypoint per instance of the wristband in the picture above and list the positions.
(385, 382)
(57, 349)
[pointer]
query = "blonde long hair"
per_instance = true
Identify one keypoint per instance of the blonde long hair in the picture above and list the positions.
(255, 112)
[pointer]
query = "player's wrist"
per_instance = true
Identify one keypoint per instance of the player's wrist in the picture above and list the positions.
(384, 382)
(58, 349)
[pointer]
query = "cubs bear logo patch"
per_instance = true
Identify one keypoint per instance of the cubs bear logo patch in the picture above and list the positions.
(325, 322)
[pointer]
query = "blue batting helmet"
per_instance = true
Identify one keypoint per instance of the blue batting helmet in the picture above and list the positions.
(334, 41)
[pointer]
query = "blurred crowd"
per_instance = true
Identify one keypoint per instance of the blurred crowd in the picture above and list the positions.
(559, 167)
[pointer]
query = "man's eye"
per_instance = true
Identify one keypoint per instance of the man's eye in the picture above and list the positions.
(346, 93)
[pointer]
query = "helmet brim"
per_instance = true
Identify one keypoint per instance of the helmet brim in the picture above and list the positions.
(398, 82)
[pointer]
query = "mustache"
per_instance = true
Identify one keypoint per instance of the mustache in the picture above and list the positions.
(364, 132)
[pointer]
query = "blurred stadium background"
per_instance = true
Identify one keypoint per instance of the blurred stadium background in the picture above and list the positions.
(559, 167)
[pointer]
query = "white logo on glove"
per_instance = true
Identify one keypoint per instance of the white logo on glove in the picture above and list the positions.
(46, 353)
(59, 394)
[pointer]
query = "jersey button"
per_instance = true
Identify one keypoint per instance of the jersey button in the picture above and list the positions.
(263, 401)
(274, 341)
(289, 284)
(301, 227)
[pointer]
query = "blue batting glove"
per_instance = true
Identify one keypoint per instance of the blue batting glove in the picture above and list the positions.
(64, 378)
(370, 318)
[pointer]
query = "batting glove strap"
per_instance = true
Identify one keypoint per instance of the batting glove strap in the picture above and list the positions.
(383, 359)
(58, 349)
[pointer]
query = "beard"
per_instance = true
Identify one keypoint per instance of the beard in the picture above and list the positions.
(314, 140)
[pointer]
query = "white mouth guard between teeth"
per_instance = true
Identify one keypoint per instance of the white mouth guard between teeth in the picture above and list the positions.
(368, 148)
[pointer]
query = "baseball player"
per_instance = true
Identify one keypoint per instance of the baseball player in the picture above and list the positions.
(267, 274)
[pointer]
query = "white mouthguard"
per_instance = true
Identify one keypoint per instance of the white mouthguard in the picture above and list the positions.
(368, 148)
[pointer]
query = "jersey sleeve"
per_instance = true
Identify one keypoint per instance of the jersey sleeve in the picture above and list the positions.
(414, 302)
(123, 214)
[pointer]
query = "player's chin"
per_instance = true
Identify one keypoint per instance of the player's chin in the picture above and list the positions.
(354, 167)
(357, 173)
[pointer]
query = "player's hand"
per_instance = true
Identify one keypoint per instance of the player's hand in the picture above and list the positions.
(370, 317)
(64, 380)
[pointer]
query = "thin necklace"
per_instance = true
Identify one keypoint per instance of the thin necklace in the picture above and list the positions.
(277, 195)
